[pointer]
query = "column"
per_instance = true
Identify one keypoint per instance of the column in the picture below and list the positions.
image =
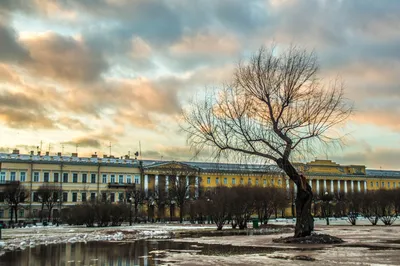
(359, 185)
(345, 186)
(352, 186)
(156, 184)
(166, 183)
(287, 187)
(146, 185)
(317, 181)
(196, 187)
(176, 180)
(187, 187)
(338, 186)
(365, 186)
(310, 183)
(332, 188)
(325, 185)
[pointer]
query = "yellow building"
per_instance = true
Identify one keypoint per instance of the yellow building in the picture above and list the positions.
(82, 178)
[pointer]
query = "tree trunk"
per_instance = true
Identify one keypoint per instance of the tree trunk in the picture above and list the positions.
(49, 217)
(304, 219)
(181, 214)
(16, 214)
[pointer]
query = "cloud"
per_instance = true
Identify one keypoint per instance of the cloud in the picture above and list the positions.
(63, 58)
(10, 49)
(85, 142)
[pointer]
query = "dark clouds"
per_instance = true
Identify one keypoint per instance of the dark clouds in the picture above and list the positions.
(10, 49)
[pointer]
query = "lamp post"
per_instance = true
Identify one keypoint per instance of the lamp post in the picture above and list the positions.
(130, 211)
(327, 199)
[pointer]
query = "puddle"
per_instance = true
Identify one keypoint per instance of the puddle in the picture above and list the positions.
(141, 252)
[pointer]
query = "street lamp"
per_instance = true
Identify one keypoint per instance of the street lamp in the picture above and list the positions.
(130, 211)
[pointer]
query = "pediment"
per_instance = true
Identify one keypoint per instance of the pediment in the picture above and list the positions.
(172, 168)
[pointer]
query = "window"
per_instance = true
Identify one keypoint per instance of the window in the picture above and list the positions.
(74, 197)
(93, 196)
(208, 180)
(225, 181)
(121, 179)
(35, 197)
(372, 184)
(1, 196)
(36, 177)
(383, 184)
(257, 181)
(377, 184)
(272, 181)
(84, 178)
(55, 177)
(3, 177)
(1, 213)
(46, 177)
(22, 176)
(279, 182)
(120, 196)
(93, 178)
(241, 181)
(394, 184)
(128, 179)
(265, 182)
(103, 196)
(217, 180)
(233, 181)
(104, 178)
(21, 213)
(112, 179)
(65, 177)
(112, 197)
(65, 196)
(74, 178)
(12, 176)
(388, 184)
(83, 195)
(249, 181)
(137, 179)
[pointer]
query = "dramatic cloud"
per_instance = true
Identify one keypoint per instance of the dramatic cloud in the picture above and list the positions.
(112, 70)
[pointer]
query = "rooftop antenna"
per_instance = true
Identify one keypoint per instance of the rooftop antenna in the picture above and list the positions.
(110, 148)
(49, 147)
(62, 148)
(41, 143)
(76, 147)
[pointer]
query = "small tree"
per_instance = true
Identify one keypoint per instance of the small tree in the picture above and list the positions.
(369, 207)
(386, 206)
(218, 203)
(136, 196)
(15, 195)
(48, 196)
(274, 106)
(353, 203)
(242, 205)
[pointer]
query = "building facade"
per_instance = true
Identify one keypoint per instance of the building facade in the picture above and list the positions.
(80, 178)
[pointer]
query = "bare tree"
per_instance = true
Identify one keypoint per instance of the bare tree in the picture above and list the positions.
(218, 204)
(242, 204)
(15, 195)
(274, 108)
(136, 196)
(48, 195)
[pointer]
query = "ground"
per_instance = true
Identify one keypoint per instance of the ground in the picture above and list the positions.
(364, 244)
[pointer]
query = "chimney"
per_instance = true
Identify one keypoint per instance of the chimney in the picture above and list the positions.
(47, 153)
(74, 154)
(15, 151)
(59, 154)
(31, 152)
(127, 157)
(38, 153)
(94, 155)
(105, 156)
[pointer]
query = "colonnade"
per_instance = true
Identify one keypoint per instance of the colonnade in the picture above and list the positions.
(333, 185)
(158, 182)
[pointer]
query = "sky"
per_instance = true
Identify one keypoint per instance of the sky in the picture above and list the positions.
(84, 75)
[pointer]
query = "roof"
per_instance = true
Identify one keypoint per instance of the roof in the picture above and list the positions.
(383, 173)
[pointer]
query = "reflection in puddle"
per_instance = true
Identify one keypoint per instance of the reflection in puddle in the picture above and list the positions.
(140, 252)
